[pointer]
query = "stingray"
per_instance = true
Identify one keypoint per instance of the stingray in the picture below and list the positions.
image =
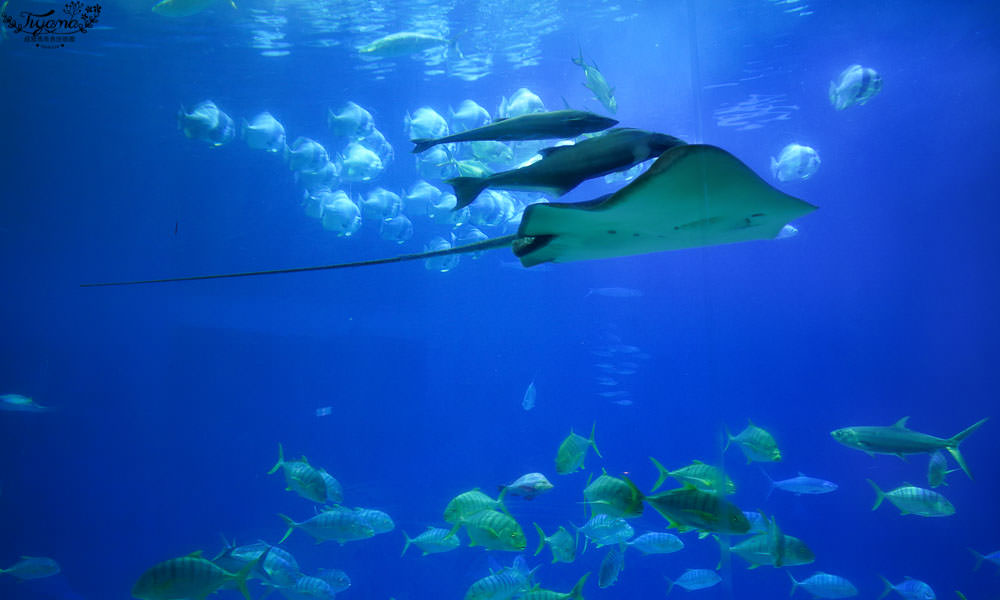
(692, 196)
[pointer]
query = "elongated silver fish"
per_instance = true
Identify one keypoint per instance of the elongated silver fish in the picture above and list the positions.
(897, 439)
(552, 125)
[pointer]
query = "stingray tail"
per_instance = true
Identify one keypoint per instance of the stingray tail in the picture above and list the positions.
(467, 189)
(955, 440)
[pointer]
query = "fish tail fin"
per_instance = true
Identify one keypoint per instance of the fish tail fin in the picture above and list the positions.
(406, 546)
(281, 460)
(291, 527)
(670, 584)
(879, 494)
(956, 439)
(503, 492)
(664, 473)
(979, 559)
(541, 538)
(454, 530)
(729, 437)
(795, 584)
(244, 124)
(423, 144)
(887, 587)
(593, 444)
(240, 577)
(771, 481)
(578, 61)
(774, 168)
(577, 592)
(467, 189)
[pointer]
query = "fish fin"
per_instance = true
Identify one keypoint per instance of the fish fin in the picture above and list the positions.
(291, 527)
(467, 189)
(195, 554)
(879, 494)
(407, 545)
(774, 168)
(729, 438)
(541, 539)
(900, 424)
(281, 460)
(795, 584)
(979, 559)
(956, 439)
(664, 473)
(577, 592)
(240, 577)
(233, 4)
(671, 584)
(593, 444)
(546, 152)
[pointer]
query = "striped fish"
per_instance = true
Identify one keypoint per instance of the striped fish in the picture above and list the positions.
(301, 477)
(338, 524)
(612, 565)
(614, 497)
(910, 499)
(433, 541)
(573, 450)
(503, 584)
(825, 585)
(189, 576)
(574, 594)
(469, 503)
(757, 444)
(690, 508)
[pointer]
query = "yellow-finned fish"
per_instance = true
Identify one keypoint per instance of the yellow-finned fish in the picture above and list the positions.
(189, 576)
(184, 8)
(573, 450)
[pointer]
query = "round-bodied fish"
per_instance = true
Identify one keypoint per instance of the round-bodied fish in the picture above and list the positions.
(705, 477)
(909, 589)
(433, 541)
(495, 531)
(855, 85)
(694, 579)
(573, 450)
(189, 577)
(467, 504)
(657, 542)
(562, 544)
(795, 163)
(301, 477)
(611, 567)
(613, 496)
(527, 486)
(605, 530)
(913, 500)
(757, 444)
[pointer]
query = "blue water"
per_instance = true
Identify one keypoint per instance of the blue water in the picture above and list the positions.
(171, 399)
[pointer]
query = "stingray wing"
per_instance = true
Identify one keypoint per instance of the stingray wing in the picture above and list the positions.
(692, 196)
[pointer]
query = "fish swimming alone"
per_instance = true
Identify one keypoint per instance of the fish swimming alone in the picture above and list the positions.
(562, 168)
(897, 439)
(596, 83)
(558, 124)
(692, 196)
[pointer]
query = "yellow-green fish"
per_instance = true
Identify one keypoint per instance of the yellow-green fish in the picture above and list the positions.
(757, 551)
(433, 541)
(184, 8)
(494, 531)
(612, 496)
(189, 576)
(756, 443)
(574, 594)
(704, 477)
(561, 544)
(338, 524)
(573, 450)
(301, 477)
(403, 43)
(469, 503)
(690, 508)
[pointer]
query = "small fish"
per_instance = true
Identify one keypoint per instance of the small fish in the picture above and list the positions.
(278, 567)
(19, 403)
(397, 229)
(573, 450)
(527, 486)
(503, 584)
(757, 551)
(359, 163)
(521, 102)
(32, 567)
(695, 579)
(855, 85)
(541, 594)
(795, 163)
(264, 132)
(899, 440)
(301, 477)
(403, 43)
(801, 484)
(341, 525)
(756, 443)
(993, 557)
(614, 497)
(656, 542)
(351, 120)
(596, 83)
(909, 589)
(433, 541)
(706, 478)
(335, 578)
(561, 543)
(612, 565)
(914, 500)
(468, 116)
(825, 585)
(206, 123)
(379, 521)
(467, 504)
(306, 155)
(605, 530)
(937, 469)
(528, 401)
(190, 576)
(614, 292)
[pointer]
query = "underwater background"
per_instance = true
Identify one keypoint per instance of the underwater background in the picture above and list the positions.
(169, 400)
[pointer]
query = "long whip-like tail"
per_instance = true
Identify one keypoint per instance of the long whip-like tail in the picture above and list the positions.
(480, 246)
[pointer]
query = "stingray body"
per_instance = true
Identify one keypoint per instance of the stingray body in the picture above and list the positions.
(559, 124)
(692, 196)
